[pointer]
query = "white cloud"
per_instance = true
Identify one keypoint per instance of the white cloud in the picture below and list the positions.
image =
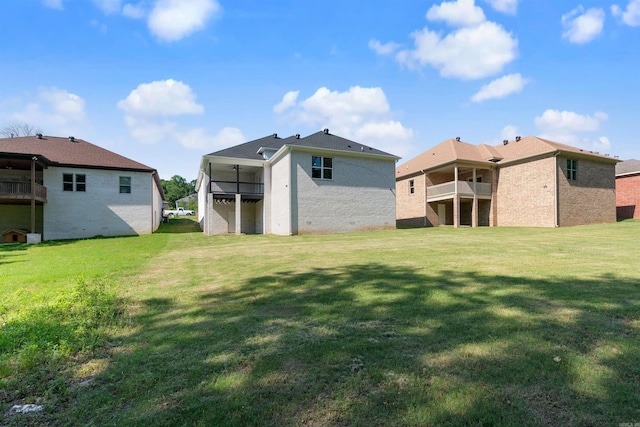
(469, 53)
(631, 15)
(602, 143)
(383, 49)
(361, 114)
(108, 6)
(582, 26)
(53, 4)
(499, 88)
(56, 111)
(133, 11)
(163, 98)
(460, 13)
(509, 133)
(510, 7)
(199, 138)
(566, 127)
(148, 131)
(569, 121)
(288, 101)
(172, 20)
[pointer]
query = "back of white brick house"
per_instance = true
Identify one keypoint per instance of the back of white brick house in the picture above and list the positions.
(319, 184)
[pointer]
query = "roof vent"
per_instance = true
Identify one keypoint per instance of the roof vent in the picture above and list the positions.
(38, 135)
(505, 141)
(297, 136)
(616, 157)
(458, 138)
(517, 138)
(326, 131)
(275, 135)
(72, 139)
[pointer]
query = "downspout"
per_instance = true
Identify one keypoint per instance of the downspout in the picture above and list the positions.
(556, 194)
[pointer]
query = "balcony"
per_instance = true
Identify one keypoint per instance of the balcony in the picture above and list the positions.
(22, 191)
(465, 190)
(226, 190)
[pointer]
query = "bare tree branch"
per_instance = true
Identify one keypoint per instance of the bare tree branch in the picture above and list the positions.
(16, 130)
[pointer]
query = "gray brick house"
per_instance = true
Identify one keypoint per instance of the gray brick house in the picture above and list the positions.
(321, 183)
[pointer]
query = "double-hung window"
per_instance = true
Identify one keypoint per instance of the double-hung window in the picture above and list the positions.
(125, 184)
(412, 188)
(572, 170)
(321, 167)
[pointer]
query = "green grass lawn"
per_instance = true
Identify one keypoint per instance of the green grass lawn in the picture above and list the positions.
(425, 327)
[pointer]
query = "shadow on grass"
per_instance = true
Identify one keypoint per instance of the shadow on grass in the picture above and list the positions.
(373, 345)
(179, 225)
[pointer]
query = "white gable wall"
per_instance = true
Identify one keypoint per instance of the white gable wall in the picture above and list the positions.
(101, 210)
(360, 195)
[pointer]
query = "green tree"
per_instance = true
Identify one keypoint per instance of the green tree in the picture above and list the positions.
(177, 188)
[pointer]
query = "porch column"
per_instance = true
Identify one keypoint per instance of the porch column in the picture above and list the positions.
(494, 199)
(474, 210)
(33, 195)
(266, 205)
(456, 199)
(238, 213)
(425, 198)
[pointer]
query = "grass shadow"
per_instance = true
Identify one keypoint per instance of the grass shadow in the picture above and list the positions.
(370, 344)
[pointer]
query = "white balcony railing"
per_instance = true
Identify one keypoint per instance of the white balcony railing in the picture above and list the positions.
(465, 189)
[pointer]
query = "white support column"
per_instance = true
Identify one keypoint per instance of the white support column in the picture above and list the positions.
(456, 200)
(266, 205)
(474, 210)
(238, 214)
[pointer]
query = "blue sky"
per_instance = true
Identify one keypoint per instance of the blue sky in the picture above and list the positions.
(165, 81)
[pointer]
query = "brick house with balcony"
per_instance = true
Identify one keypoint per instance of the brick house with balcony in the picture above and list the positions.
(55, 188)
(321, 183)
(526, 182)
(628, 189)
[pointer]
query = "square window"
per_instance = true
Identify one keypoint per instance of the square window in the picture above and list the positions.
(321, 167)
(125, 184)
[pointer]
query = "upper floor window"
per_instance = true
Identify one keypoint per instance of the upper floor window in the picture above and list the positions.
(125, 184)
(572, 169)
(321, 167)
(67, 182)
(69, 179)
(412, 188)
(81, 182)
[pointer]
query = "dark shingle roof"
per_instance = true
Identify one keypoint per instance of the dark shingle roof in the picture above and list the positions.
(63, 152)
(628, 167)
(322, 139)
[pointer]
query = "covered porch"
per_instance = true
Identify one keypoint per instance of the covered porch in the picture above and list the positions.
(22, 194)
(461, 194)
(236, 197)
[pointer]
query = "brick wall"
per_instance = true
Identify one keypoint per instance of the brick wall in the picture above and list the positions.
(628, 197)
(526, 194)
(410, 206)
(591, 198)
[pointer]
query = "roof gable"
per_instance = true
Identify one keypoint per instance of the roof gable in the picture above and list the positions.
(321, 140)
